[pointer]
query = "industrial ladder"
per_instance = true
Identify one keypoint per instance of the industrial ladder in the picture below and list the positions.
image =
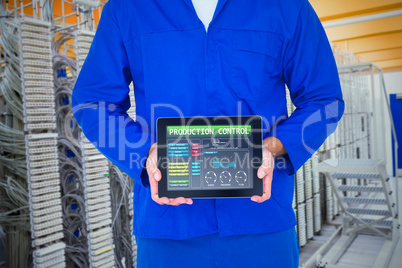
(373, 188)
(368, 206)
(370, 209)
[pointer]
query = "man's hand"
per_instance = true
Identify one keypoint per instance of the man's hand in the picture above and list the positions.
(271, 147)
(155, 175)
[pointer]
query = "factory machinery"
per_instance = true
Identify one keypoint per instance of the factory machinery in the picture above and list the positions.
(63, 204)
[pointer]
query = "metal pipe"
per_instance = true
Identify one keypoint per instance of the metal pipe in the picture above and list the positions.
(15, 8)
(34, 12)
(350, 68)
(62, 12)
(82, 19)
(380, 77)
(374, 125)
(77, 10)
(18, 8)
(66, 16)
(64, 28)
(93, 19)
(39, 10)
(396, 145)
(379, 16)
(22, 8)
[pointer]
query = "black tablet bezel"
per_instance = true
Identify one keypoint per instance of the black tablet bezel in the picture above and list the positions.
(256, 132)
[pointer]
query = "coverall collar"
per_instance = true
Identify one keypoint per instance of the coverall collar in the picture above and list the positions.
(219, 7)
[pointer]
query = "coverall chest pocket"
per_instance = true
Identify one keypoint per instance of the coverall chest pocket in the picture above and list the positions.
(255, 63)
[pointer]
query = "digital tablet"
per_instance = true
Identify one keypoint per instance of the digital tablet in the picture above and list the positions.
(209, 157)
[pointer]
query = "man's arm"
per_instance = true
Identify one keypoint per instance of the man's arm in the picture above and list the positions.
(311, 75)
(100, 100)
(310, 72)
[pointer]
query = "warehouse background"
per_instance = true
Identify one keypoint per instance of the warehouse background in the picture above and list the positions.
(64, 205)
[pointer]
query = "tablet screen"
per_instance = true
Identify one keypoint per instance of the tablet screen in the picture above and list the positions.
(209, 156)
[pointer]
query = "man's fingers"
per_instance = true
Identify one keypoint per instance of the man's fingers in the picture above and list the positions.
(151, 165)
(268, 184)
(164, 201)
(256, 198)
(265, 172)
(267, 188)
(180, 200)
(266, 161)
(154, 176)
(153, 182)
(267, 164)
(261, 173)
(157, 174)
(264, 169)
(160, 201)
(157, 199)
(154, 189)
(177, 201)
(260, 199)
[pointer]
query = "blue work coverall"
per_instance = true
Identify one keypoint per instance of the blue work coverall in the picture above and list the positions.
(240, 66)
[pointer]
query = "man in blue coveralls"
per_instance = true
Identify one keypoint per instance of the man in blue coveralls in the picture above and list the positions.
(239, 65)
